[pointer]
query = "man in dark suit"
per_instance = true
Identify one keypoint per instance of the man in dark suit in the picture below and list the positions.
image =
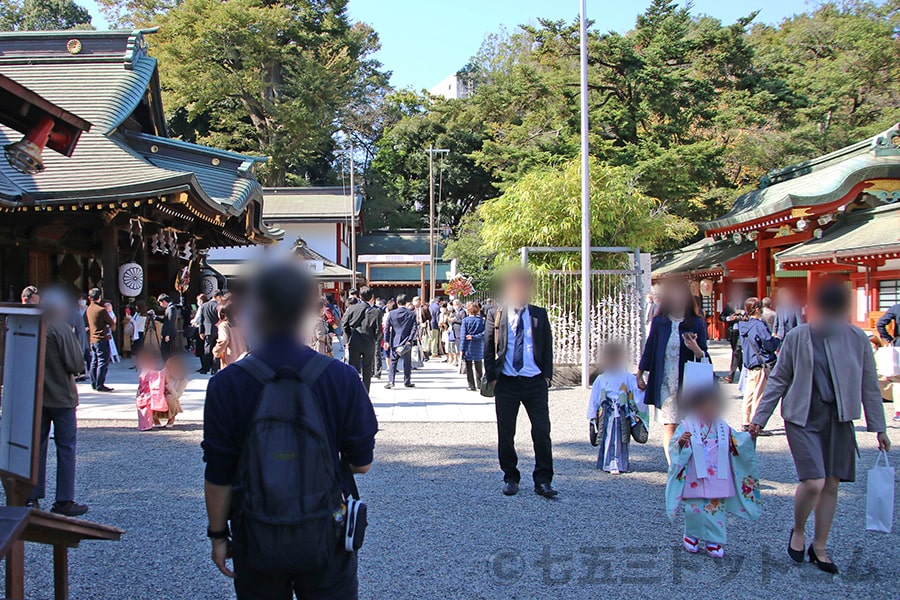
(518, 358)
(892, 315)
(787, 314)
(209, 318)
(400, 332)
(362, 325)
(169, 321)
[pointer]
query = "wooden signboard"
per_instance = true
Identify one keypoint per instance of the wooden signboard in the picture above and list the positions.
(22, 344)
(20, 406)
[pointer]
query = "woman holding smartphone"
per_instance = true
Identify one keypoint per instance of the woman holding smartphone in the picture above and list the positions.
(677, 335)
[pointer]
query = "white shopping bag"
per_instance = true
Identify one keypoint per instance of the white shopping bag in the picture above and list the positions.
(697, 375)
(880, 496)
(887, 361)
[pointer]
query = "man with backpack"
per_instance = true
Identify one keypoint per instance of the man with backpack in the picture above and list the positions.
(284, 430)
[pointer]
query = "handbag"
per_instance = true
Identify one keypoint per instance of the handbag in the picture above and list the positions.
(880, 496)
(486, 388)
(592, 433)
(462, 366)
(697, 375)
(401, 351)
(639, 431)
(887, 361)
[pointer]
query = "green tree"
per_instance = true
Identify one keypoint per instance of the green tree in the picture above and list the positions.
(266, 78)
(42, 15)
(543, 208)
(843, 60)
(134, 13)
(399, 193)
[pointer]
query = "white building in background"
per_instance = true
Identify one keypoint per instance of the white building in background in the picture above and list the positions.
(319, 216)
(452, 88)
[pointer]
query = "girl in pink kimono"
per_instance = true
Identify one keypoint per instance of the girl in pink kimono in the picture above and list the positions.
(151, 392)
(713, 472)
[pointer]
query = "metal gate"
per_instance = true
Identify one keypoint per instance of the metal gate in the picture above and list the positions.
(617, 303)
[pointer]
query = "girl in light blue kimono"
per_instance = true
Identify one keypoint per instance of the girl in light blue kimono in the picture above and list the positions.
(713, 472)
(615, 401)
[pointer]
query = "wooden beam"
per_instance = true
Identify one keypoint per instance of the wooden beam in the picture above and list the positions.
(60, 573)
(15, 571)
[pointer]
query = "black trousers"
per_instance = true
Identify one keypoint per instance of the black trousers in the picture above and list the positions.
(532, 393)
(361, 356)
(737, 355)
(474, 369)
(338, 581)
(379, 359)
(208, 361)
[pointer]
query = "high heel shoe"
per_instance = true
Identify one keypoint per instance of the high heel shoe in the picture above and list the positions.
(796, 555)
(828, 567)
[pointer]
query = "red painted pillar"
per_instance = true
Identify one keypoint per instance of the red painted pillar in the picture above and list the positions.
(812, 279)
(762, 272)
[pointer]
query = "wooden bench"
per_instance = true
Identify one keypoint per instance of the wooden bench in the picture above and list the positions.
(19, 525)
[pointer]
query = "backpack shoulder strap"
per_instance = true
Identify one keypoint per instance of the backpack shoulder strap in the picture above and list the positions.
(257, 368)
(316, 365)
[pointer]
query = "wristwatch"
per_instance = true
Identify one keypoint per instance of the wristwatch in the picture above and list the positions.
(218, 535)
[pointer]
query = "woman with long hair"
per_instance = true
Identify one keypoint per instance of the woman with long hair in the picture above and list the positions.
(230, 344)
(758, 347)
(824, 378)
(677, 335)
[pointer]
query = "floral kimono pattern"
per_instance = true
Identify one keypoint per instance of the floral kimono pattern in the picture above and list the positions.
(705, 518)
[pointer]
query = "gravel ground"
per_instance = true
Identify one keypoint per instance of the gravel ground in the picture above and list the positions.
(441, 529)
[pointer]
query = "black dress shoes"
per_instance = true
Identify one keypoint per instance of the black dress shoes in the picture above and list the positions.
(510, 488)
(796, 555)
(545, 490)
(409, 385)
(828, 567)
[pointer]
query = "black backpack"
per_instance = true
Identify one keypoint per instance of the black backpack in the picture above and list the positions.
(289, 513)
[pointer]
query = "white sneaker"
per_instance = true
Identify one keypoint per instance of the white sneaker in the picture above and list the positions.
(692, 545)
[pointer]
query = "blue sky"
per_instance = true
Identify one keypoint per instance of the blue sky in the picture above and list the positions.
(423, 41)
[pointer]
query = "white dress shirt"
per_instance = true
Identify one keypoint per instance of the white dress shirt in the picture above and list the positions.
(529, 367)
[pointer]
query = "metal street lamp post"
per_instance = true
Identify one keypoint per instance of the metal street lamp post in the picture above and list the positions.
(432, 279)
(585, 210)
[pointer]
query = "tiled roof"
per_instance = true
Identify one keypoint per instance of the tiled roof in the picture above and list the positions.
(400, 242)
(860, 233)
(818, 181)
(96, 84)
(103, 77)
(310, 204)
(705, 255)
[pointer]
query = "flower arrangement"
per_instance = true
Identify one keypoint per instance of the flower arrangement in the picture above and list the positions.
(459, 287)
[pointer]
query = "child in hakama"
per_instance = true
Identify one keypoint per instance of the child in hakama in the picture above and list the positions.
(615, 397)
(151, 392)
(713, 472)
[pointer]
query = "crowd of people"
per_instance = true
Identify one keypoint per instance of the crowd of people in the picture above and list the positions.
(822, 373)
(268, 344)
(399, 335)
